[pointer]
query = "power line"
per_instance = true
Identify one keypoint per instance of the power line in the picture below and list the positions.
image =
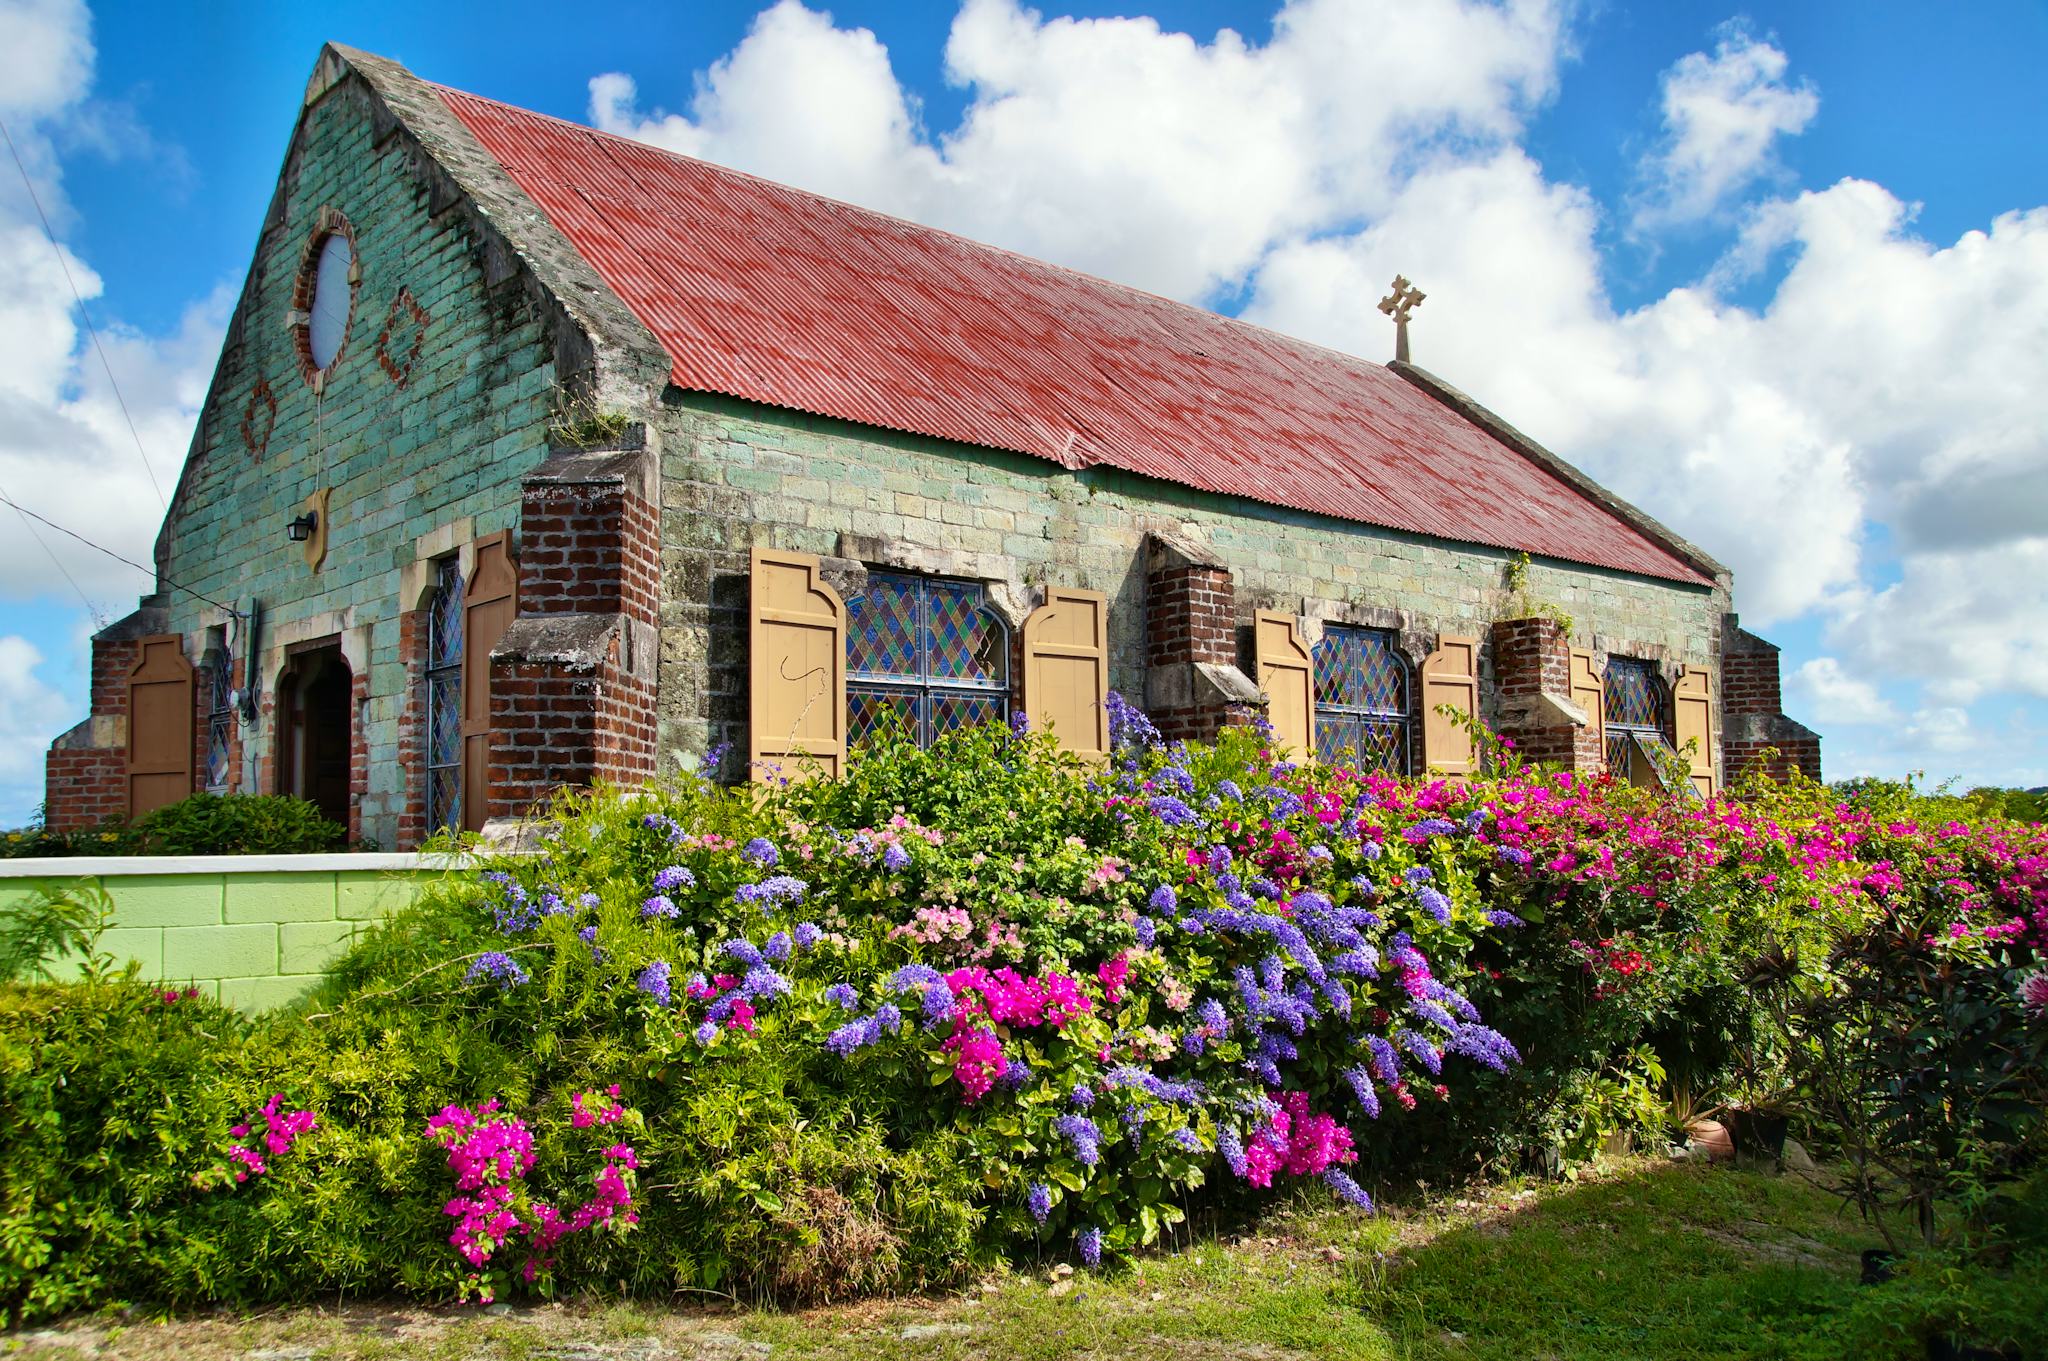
(99, 618)
(153, 574)
(79, 298)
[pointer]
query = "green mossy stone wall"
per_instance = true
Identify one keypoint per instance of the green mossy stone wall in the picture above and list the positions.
(735, 474)
(403, 458)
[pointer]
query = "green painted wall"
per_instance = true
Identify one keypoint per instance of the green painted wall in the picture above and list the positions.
(448, 444)
(254, 938)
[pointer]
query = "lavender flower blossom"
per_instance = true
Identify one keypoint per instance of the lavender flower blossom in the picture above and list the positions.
(675, 876)
(843, 996)
(497, 966)
(1338, 1180)
(895, 858)
(761, 851)
(660, 906)
(1089, 1243)
(1038, 1200)
(653, 981)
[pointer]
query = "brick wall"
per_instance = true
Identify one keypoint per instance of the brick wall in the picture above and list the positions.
(1532, 660)
(734, 474)
(573, 680)
(1755, 732)
(86, 769)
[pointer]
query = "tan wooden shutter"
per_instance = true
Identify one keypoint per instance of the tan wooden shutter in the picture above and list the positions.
(488, 605)
(1692, 720)
(797, 684)
(1450, 675)
(1066, 670)
(1587, 694)
(159, 725)
(1287, 674)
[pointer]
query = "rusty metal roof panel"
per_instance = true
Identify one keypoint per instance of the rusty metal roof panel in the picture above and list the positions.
(770, 294)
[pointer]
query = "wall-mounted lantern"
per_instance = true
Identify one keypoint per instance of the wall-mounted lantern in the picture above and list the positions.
(302, 526)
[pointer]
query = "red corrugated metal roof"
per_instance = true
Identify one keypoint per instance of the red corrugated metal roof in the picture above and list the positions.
(774, 295)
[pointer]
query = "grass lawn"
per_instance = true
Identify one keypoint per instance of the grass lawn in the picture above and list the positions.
(1642, 1260)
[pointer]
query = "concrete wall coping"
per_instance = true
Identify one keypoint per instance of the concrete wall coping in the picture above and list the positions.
(138, 866)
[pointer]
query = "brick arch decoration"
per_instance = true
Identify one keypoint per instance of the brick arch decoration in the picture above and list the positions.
(259, 419)
(404, 337)
(327, 222)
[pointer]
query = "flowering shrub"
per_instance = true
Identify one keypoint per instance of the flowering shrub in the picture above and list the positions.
(870, 1032)
(491, 1155)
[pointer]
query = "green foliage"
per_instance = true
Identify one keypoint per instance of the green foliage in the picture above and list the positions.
(1610, 933)
(112, 1095)
(204, 824)
(38, 928)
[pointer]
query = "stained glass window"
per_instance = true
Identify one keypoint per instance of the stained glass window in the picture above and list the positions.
(1637, 711)
(1362, 700)
(926, 652)
(444, 698)
(220, 721)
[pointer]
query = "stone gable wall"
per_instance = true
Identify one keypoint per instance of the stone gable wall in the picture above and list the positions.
(438, 404)
(734, 474)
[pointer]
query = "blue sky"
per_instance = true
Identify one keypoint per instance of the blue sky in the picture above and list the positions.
(1778, 273)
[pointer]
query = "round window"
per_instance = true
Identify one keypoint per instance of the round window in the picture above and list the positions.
(324, 295)
(333, 300)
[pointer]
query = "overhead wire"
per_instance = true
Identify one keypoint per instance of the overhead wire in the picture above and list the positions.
(149, 571)
(99, 616)
(51, 236)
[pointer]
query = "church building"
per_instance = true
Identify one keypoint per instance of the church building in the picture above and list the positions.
(536, 456)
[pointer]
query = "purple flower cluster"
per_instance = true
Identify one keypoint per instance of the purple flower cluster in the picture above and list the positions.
(1089, 1244)
(497, 966)
(1038, 1200)
(843, 996)
(675, 876)
(761, 851)
(1083, 1136)
(654, 981)
(780, 888)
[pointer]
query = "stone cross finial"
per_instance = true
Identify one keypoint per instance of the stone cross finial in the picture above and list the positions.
(1397, 305)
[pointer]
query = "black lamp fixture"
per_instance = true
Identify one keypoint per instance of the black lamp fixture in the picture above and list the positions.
(302, 526)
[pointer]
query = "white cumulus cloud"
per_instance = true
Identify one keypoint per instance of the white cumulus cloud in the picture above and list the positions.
(1723, 115)
(1828, 693)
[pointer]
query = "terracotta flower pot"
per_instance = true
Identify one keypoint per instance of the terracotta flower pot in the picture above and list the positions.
(1710, 1140)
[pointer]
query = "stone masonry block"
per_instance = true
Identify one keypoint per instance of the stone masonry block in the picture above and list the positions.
(168, 900)
(219, 952)
(253, 995)
(282, 897)
(144, 945)
(310, 947)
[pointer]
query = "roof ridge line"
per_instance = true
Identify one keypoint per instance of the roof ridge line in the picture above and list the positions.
(1483, 417)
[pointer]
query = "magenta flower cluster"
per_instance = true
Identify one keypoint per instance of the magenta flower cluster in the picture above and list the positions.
(281, 1129)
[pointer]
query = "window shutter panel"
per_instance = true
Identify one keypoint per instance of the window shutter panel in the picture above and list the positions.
(1586, 693)
(1692, 720)
(1450, 675)
(159, 725)
(1287, 675)
(797, 671)
(1066, 670)
(489, 603)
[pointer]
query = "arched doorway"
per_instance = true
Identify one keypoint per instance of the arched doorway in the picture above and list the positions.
(315, 699)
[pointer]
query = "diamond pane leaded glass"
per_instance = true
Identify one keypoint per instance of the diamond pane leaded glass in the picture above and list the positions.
(1361, 700)
(870, 708)
(444, 617)
(1363, 743)
(1632, 696)
(927, 651)
(444, 698)
(444, 798)
(444, 719)
(950, 709)
(882, 627)
(1359, 669)
(217, 729)
(963, 645)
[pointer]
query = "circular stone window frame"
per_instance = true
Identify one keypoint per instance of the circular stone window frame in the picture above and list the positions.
(299, 319)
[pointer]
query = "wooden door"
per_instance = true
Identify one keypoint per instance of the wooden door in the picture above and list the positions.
(159, 725)
(488, 605)
(1066, 670)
